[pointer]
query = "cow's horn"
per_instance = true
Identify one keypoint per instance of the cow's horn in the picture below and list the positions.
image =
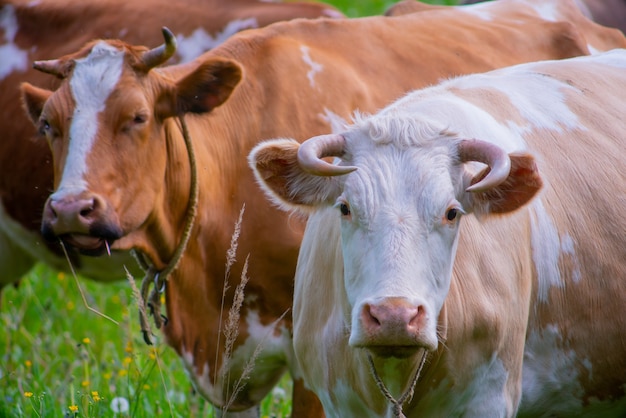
(59, 68)
(495, 157)
(160, 54)
(312, 151)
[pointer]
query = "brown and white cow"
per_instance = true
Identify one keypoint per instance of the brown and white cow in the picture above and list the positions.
(122, 175)
(424, 240)
(605, 12)
(31, 31)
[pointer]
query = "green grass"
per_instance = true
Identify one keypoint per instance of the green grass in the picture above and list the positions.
(56, 354)
(60, 359)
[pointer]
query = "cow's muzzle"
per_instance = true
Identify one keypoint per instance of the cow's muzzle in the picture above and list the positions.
(392, 327)
(84, 222)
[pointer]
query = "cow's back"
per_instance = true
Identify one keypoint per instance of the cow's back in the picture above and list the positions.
(328, 53)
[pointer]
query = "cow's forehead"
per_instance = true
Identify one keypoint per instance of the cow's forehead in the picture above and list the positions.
(401, 161)
(93, 80)
(95, 76)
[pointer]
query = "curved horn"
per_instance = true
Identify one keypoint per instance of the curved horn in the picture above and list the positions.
(485, 152)
(59, 67)
(160, 54)
(312, 151)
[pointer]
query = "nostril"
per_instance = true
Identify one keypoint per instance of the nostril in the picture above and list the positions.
(51, 210)
(417, 319)
(86, 211)
(369, 315)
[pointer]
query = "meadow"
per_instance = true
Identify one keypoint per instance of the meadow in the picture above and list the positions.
(70, 347)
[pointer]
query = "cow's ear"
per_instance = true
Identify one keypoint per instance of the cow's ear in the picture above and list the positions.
(277, 171)
(522, 184)
(33, 100)
(205, 88)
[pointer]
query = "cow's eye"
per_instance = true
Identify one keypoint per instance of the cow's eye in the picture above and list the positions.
(140, 118)
(345, 210)
(45, 126)
(452, 214)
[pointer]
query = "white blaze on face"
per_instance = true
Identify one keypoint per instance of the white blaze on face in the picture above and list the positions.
(92, 82)
(12, 58)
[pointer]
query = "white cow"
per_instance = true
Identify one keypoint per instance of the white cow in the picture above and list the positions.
(477, 225)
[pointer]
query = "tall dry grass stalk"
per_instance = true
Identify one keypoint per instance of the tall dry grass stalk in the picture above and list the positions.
(231, 327)
(245, 375)
(231, 257)
(231, 331)
(80, 289)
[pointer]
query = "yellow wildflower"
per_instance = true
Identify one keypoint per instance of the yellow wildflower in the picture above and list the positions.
(84, 383)
(28, 394)
(127, 360)
(61, 276)
(122, 373)
(146, 386)
(95, 396)
(70, 306)
(73, 408)
(86, 340)
(28, 363)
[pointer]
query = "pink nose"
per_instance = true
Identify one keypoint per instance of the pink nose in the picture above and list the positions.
(392, 322)
(71, 215)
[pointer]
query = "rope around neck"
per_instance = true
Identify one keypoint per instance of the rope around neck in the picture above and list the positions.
(397, 404)
(160, 277)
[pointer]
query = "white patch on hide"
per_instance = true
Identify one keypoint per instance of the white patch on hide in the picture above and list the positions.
(200, 41)
(315, 67)
(12, 58)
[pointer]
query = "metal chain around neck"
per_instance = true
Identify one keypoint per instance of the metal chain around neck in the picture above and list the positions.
(158, 278)
(397, 404)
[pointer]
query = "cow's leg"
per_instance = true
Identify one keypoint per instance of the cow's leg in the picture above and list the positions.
(304, 402)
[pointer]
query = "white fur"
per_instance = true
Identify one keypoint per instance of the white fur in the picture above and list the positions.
(273, 340)
(315, 67)
(200, 41)
(12, 58)
(93, 80)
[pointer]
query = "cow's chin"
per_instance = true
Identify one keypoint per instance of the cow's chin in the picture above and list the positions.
(86, 244)
(388, 351)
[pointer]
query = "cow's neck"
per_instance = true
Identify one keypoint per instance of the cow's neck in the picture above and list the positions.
(164, 231)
